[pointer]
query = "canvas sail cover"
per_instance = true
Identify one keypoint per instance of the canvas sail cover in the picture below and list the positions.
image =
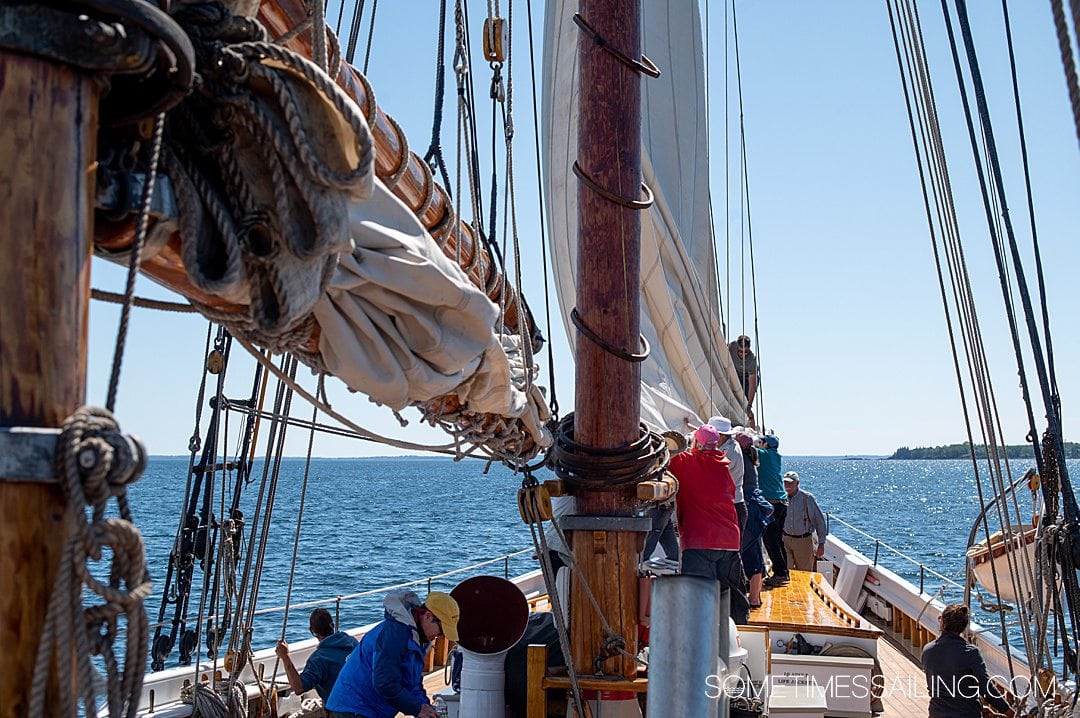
(402, 323)
(689, 376)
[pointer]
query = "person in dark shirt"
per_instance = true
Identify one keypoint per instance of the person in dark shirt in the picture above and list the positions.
(955, 673)
(322, 667)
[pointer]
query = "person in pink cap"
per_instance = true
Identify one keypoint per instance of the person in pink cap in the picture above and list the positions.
(708, 524)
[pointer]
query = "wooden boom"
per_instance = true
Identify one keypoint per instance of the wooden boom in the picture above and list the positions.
(414, 186)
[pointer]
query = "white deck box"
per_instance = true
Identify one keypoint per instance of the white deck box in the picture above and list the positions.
(845, 683)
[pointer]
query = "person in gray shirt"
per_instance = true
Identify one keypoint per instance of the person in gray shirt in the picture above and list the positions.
(804, 520)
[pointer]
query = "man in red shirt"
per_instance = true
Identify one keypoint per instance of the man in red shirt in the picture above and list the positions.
(708, 524)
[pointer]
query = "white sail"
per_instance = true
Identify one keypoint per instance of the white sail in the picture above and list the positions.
(689, 375)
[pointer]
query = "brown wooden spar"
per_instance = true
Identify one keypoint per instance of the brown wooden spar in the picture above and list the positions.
(48, 128)
(401, 170)
(608, 396)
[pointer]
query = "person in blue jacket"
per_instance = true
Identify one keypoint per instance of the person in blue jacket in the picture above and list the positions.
(322, 667)
(384, 675)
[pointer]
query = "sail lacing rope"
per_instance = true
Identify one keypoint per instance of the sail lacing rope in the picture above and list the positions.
(95, 464)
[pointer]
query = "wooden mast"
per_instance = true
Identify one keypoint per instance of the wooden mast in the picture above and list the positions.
(608, 395)
(48, 128)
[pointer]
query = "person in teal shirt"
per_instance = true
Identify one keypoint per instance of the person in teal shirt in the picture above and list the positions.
(771, 483)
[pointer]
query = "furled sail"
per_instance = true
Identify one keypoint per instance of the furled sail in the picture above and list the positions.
(689, 375)
(295, 230)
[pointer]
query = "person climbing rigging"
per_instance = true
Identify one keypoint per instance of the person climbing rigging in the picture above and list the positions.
(746, 367)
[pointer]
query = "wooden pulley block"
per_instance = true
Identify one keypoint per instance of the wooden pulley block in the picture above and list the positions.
(495, 39)
(215, 361)
(525, 499)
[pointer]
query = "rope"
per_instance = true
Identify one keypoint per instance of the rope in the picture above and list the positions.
(433, 158)
(134, 261)
(745, 198)
(94, 467)
(543, 553)
(1068, 64)
(296, 535)
(142, 302)
(553, 401)
(329, 411)
(608, 469)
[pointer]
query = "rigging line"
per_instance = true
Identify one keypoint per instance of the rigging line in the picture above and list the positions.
(371, 34)
(727, 169)
(908, 93)
(553, 401)
(1030, 201)
(973, 344)
(218, 540)
(325, 428)
(193, 446)
(434, 154)
(234, 635)
(1069, 500)
(142, 302)
(746, 192)
(211, 441)
(329, 411)
(1068, 63)
(340, 18)
(354, 32)
(134, 261)
(1053, 433)
(264, 538)
(299, 522)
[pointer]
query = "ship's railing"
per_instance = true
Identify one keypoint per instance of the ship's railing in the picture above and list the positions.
(337, 601)
(924, 570)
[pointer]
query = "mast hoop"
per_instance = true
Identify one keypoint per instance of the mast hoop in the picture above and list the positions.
(608, 346)
(635, 204)
(644, 66)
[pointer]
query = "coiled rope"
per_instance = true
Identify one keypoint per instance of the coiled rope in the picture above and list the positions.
(94, 465)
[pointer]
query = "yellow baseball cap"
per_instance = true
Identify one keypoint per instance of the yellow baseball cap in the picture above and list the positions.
(446, 610)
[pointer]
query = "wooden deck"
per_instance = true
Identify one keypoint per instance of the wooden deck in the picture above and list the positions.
(904, 695)
(807, 602)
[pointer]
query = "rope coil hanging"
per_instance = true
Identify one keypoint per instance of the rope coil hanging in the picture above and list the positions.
(607, 469)
(95, 463)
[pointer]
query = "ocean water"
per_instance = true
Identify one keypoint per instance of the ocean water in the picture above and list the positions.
(370, 523)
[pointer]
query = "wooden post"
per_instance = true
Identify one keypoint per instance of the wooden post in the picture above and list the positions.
(535, 668)
(608, 398)
(48, 128)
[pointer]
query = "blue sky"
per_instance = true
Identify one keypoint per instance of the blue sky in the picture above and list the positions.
(852, 337)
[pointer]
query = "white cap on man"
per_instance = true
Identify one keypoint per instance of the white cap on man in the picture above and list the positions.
(722, 424)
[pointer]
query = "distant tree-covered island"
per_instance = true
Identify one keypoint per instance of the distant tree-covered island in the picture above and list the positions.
(961, 451)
